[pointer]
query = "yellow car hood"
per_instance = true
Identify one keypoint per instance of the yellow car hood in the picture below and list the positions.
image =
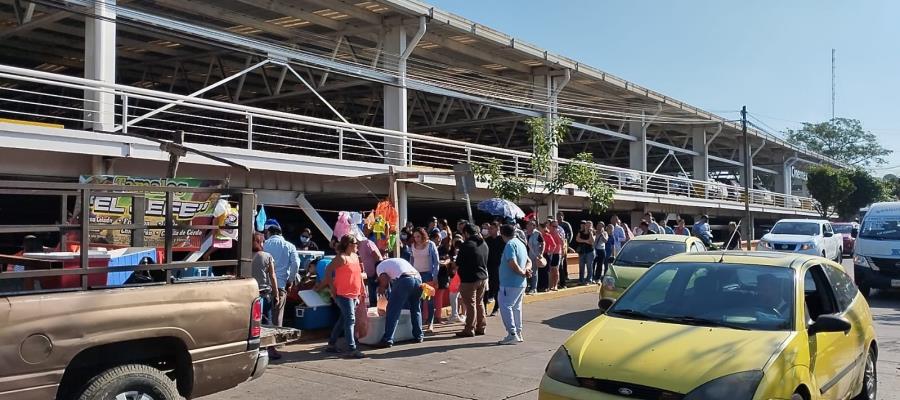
(671, 357)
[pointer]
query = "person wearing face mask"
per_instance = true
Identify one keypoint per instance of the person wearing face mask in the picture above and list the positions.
(306, 242)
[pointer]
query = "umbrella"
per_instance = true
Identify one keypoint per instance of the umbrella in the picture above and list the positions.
(501, 208)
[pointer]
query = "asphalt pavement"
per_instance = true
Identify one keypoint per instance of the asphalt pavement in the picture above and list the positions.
(445, 367)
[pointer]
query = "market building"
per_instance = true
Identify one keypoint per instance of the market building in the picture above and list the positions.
(320, 98)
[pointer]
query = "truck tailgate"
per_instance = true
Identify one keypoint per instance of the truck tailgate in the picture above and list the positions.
(276, 335)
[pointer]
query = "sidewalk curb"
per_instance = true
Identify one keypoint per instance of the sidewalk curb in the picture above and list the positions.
(561, 293)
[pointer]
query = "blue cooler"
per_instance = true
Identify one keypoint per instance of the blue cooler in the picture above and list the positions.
(321, 266)
(310, 318)
(125, 258)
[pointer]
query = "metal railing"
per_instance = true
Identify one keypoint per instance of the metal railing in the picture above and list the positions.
(38, 96)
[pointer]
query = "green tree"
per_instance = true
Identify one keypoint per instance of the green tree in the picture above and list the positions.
(867, 190)
(545, 136)
(829, 186)
(891, 187)
(843, 139)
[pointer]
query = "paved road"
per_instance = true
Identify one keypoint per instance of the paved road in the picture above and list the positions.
(448, 368)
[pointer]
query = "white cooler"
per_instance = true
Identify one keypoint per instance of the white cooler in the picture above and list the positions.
(376, 328)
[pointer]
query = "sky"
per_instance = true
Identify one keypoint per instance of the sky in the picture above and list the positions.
(773, 56)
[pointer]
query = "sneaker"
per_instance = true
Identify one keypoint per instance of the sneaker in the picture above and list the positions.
(493, 314)
(479, 333)
(509, 339)
(420, 340)
(356, 354)
(465, 334)
(383, 345)
(520, 338)
(461, 318)
(274, 354)
(332, 349)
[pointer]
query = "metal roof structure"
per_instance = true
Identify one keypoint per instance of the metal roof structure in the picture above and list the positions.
(337, 59)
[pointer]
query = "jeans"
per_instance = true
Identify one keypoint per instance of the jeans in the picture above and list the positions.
(372, 285)
(472, 294)
(405, 290)
(510, 299)
(428, 306)
(278, 309)
(585, 267)
(266, 299)
(599, 264)
(346, 323)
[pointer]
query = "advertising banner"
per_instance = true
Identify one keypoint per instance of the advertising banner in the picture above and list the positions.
(188, 208)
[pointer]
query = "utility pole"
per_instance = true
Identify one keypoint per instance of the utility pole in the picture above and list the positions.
(833, 61)
(748, 174)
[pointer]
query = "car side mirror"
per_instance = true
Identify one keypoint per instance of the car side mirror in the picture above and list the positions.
(828, 234)
(829, 323)
(854, 233)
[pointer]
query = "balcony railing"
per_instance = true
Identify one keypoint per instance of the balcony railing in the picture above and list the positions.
(66, 101)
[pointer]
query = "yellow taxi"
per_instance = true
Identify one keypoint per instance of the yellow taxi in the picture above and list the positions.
(725, 325)
(636, 256)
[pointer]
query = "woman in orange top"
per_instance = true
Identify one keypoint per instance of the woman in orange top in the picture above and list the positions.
(344, 277)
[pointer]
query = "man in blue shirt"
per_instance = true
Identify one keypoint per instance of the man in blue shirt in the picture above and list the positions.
(515, 269)
(286, 265)
(618, 233)
(702, 231)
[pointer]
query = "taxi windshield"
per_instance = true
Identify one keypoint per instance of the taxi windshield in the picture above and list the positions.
(744, 297)
(644, 253)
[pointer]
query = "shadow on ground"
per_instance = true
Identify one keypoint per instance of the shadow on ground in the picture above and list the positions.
(572, 321)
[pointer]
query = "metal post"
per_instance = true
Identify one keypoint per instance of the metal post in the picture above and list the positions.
(392, 178)
(85, 235)
(138, 209)
(170, 226)
(249, 131)
(63, 219)
(124, 113)
(340, 144)
(748, 175)
(246, 206)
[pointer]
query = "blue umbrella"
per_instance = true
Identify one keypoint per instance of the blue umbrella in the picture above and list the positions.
(501, 208)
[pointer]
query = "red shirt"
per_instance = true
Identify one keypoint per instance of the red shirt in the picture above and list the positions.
(551, 243)
(348, 278)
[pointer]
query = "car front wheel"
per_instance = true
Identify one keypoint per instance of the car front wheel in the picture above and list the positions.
(870, 380)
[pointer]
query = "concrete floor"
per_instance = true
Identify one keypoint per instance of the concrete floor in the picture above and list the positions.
(445, 367)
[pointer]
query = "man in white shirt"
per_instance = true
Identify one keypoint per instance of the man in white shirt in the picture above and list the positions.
(406, 288)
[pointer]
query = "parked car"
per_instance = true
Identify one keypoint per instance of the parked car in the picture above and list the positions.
(163, 339)
(848, 232)
(716, 190)
(637, 256)
(628, 180)
(733, 325)
(876, 253)
(806, 236)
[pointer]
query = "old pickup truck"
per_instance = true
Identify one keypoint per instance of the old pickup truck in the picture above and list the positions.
(75, 337)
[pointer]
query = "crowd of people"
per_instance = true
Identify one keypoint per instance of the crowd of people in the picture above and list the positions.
(471, 266)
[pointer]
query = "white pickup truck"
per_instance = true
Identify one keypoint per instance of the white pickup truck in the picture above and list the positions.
(807, 236)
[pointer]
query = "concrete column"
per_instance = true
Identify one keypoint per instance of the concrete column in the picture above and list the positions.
(784, 179)
(100, 64)
(395, 114)
(637, 149)
(701, 160)
(543, 82)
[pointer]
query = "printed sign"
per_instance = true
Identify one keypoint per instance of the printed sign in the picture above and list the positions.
(188, 208)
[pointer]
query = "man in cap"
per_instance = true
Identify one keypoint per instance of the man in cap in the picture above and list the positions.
(286, 265)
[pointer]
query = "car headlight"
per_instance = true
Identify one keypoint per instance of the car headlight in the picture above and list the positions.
(863, 261)
(560, 368)
(609, 282)
(807, 246)
(738, 386)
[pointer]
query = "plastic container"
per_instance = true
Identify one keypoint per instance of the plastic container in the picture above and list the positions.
(376, 328)
(311, 318)
(321, 265)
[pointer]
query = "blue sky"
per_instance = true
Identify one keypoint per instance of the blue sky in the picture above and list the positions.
(773, 56)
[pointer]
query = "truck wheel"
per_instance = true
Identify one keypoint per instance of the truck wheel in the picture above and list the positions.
(130, 382)
(840, 256)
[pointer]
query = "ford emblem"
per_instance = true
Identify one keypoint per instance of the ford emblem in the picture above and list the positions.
(625, 391)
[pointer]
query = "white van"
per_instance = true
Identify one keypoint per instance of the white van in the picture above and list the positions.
(876, 255)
